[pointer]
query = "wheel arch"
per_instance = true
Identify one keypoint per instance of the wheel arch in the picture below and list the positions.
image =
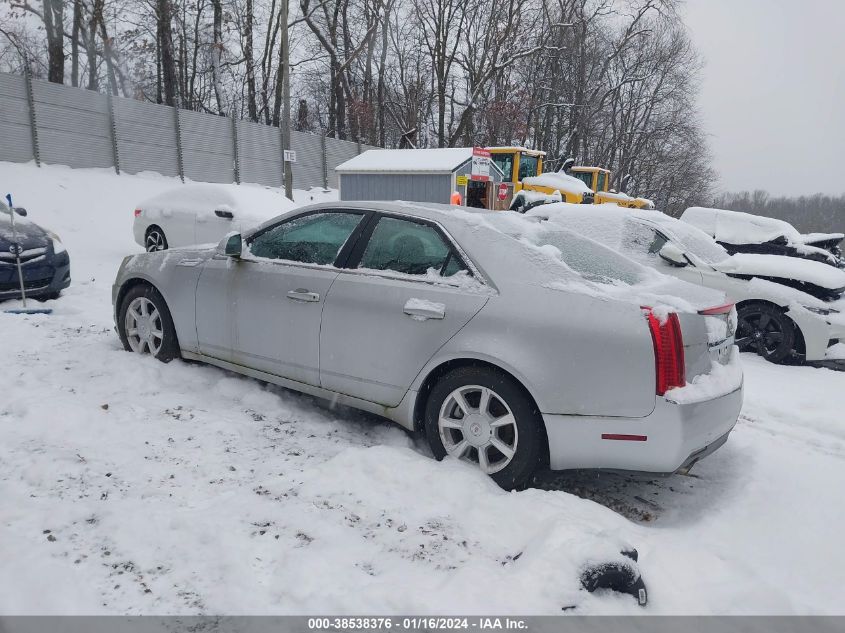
(446, 366)
(800, 345)
(134, 282)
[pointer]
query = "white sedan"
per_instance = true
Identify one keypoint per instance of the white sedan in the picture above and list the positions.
(203, 213)
(788, 308)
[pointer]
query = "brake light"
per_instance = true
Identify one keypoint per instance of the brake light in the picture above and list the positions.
(137, 212)
(668, 351)
(722, 309)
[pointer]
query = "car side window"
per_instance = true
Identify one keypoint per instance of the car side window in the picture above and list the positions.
(409, 247)
(310, 239)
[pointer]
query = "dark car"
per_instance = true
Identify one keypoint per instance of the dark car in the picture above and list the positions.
(44, 261)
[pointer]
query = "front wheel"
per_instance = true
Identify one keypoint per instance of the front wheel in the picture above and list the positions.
(765, 330)
(485, 418)
(145, 325)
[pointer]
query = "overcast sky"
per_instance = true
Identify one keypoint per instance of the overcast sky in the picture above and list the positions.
(773, 92)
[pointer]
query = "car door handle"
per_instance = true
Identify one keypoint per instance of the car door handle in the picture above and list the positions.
(301, 294)
(421, 310)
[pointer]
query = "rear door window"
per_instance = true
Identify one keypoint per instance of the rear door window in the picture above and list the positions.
(408, 247)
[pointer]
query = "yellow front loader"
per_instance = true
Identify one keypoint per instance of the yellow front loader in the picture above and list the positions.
(523, 168)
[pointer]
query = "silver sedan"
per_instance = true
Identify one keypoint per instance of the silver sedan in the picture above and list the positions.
(511, 347)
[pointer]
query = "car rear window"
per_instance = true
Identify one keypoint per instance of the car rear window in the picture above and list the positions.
(590, 259)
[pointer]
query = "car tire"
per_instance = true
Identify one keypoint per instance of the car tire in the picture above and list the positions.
(145, 325)
(510, 422)
(155, 239)
(765, 330)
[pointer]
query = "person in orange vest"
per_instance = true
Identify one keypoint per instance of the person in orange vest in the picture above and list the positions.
(456, 198)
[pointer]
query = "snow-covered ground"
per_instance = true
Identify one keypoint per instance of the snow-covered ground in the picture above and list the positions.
(129, 486)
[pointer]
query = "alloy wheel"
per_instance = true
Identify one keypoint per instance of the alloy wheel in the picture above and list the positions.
(476, 425)
(144, 331)
(759, 332)
(155, 241)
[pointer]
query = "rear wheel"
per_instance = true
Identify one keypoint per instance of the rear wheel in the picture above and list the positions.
(145, 325)
(485, 418)
(155, 239)
(765, 330)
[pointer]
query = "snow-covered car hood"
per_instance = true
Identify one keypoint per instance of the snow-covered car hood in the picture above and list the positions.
(815, 239)
(782, 267)
(27, 234)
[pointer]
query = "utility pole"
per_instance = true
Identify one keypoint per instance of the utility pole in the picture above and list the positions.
(285, 61)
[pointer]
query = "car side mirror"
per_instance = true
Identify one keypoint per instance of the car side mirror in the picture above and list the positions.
(223, 213)
(673, 255)
(233, 246)
(20, 211)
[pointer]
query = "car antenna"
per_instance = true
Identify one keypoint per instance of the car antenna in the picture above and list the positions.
(16, 249)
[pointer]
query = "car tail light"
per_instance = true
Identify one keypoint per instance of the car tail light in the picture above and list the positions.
(137, 212)
(668, 351)
(722, 309)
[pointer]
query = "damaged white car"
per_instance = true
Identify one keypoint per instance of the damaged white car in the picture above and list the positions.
(786, 306)
(742, 232)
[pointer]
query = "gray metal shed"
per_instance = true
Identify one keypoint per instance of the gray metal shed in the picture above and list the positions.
(417, 175)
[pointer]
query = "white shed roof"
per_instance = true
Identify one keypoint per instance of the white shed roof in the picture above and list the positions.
(440, 161)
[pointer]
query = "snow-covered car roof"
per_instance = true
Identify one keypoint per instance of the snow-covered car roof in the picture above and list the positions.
(737, 227)
(249, 200)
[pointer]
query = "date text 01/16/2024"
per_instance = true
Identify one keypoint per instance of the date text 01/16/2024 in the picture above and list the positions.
(430, 623)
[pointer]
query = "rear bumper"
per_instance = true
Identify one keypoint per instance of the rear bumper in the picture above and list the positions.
(40, 279)
(672, 438)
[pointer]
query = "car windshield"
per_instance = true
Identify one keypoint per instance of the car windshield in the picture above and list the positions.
(695, 242)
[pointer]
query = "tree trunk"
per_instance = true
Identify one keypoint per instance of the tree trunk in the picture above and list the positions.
(74, 43)
(217, 54)
(168, 64)
(54, 11)
(252, 110)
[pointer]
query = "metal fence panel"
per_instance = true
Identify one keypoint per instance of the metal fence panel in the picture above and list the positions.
(207, 147)
(308, 169)
(260, 154)
(73, 126)
(146, 137)
(338, 152)
(16, 137)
